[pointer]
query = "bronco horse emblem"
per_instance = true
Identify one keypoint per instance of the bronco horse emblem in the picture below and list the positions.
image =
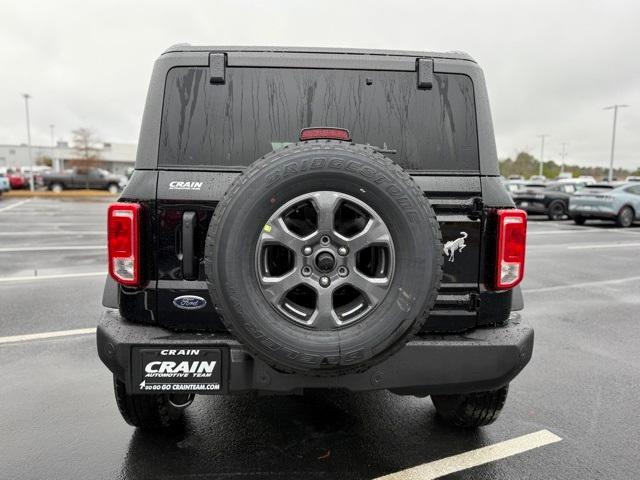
(452, 245)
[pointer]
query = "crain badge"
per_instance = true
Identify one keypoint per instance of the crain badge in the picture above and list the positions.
(452, 246)
(176, 185)
(189, 302)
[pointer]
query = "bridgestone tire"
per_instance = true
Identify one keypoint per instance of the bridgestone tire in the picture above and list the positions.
(471, 410)
(151, 412)
(281, 176)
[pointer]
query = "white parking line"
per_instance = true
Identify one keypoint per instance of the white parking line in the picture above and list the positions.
(54, 248)
(582, 285)
(52, 232)
(66, 224)
(14, 205)
(582, 230)
(43, 336)
(50, 277)
(586, 246)
(476, 457)
(603, 245)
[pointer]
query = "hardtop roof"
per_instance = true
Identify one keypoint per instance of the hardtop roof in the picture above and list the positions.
(186, 47)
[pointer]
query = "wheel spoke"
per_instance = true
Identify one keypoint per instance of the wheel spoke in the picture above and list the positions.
(374, 289)
(278, 233)
(276, 288)
(326, 204)
(374, 233)
(324, 317)
(315, 240)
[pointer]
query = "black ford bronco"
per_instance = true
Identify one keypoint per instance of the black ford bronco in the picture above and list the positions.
(314, 218)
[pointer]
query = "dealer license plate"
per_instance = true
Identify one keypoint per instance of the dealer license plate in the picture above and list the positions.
(177, 369)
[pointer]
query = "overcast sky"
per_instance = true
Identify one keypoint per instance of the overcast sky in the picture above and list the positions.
(551, 66)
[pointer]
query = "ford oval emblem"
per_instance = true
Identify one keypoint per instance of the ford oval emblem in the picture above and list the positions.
(189, 302)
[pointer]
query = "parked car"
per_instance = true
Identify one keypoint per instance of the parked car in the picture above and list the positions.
(514, 185)
(326, 263)
(538, 178)
(632, 178)
(564, 176)
(38, 173)
(586, 178)
(607, 201)
(551, 199)
(579, 183)
(5, 186)
(81, 178)
(516, 177)
(16, 179)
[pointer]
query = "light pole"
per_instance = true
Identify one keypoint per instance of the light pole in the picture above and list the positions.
(613, 135)
(54, 157)
(542, 137)
(563, 154)
(26, 108)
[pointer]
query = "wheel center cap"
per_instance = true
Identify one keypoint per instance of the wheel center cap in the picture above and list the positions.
(325, 262)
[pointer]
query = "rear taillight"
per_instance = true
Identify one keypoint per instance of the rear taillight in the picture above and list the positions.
(123, 237)
(512, 240)
(325, 133)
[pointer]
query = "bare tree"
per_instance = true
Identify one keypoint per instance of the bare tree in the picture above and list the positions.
(85, 148)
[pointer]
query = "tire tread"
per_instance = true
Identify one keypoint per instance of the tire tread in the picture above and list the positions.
(319, 146)
(471, 410)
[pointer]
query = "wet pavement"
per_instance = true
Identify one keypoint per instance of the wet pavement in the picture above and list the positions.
(59, 418)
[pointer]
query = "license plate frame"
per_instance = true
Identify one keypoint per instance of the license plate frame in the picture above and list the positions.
(178, 369)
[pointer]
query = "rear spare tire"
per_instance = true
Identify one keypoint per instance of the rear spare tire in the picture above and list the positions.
(323, 257)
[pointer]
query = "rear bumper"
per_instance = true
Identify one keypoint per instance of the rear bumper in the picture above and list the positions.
(484, 359)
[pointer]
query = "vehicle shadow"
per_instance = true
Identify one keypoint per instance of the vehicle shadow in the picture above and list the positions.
(321, 434)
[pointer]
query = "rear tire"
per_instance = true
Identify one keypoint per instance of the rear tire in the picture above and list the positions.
(579, 220)
(151, 412)
(625, 217)
(113, 189)
(471, 410)
(57, 188)
(557, 210)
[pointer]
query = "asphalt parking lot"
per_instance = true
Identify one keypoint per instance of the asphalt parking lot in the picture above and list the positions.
(59, 418)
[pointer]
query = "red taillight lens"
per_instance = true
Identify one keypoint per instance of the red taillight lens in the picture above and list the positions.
(325, 134)
(123, 237)
(512, 241)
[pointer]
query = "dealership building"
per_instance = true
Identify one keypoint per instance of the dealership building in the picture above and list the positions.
(115, 157)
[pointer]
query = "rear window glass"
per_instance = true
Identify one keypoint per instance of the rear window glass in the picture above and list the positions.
(262, 109)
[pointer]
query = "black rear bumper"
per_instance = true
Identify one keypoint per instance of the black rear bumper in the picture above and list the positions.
(484, 359)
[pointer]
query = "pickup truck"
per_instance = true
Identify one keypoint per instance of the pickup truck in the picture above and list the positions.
(79, 178)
